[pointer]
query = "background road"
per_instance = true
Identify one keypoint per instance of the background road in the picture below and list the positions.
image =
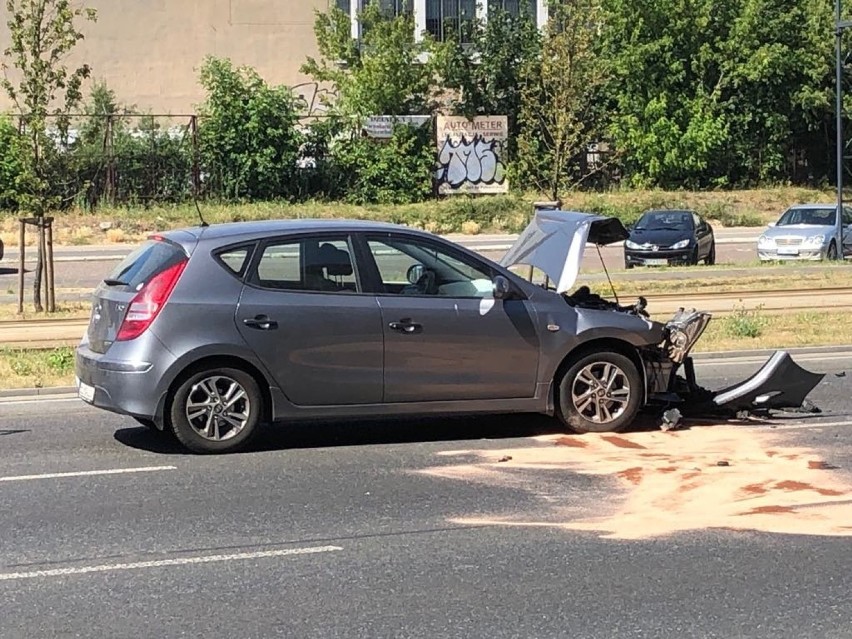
(328, 531)
(79, 269)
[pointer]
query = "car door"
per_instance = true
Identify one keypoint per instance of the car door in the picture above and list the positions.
(847, 232)
(304, 314)
(703, 235)
(446, 337)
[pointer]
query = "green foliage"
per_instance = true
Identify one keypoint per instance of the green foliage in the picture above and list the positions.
(744, 323)
(396, 171)
(560, 114)
(384, 73)
(249, 138)
(488, 76)
(12, 159)
(41, 35)
(61, 360)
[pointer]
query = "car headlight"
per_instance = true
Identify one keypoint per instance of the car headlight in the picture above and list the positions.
(764, 241)
(680, 245)
(631, 245)
(815, 240)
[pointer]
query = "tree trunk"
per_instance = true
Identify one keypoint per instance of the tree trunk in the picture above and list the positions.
(39, 270)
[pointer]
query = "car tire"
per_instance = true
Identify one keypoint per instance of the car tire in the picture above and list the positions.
(711, 256)
(582, 404)
(205, 416)
(831, 253)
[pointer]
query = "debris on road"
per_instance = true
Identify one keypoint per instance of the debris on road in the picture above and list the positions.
(671, 420)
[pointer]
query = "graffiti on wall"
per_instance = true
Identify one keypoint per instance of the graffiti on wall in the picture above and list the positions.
(470, 154)
(312, 100)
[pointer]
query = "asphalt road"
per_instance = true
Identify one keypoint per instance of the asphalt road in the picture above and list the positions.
(331, 531)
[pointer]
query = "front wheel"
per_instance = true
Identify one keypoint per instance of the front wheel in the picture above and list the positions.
(711, 256)
(216, 410)
(599, 393)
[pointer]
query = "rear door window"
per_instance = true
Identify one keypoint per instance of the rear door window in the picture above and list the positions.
(316, 265)
(149, 259)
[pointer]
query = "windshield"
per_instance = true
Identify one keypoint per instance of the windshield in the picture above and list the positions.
(145, 262)
(665, 220)
(818, 217)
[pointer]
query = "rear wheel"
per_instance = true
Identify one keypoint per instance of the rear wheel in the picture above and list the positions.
(216, 410)
(599, 393)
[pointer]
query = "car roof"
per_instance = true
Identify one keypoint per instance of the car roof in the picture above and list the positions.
(811, 205)
(260, 228)
(669, 211)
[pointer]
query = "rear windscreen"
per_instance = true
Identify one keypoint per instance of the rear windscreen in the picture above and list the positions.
(151, 258)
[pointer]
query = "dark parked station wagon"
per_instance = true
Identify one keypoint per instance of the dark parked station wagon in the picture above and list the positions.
(211, 331)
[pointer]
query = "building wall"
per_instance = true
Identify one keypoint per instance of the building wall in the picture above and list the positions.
(150, 51)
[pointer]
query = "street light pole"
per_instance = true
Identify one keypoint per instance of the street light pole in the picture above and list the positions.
(840, 26)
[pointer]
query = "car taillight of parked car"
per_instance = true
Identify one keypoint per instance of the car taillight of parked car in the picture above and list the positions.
(148, 302)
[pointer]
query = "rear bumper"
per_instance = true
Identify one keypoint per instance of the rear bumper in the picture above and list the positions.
(123, 386)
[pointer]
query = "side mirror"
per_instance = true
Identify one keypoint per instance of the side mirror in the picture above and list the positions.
(502, 288)
(771, 224)
(414, 273)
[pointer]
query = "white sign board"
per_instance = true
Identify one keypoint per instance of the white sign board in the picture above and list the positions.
(470, 154)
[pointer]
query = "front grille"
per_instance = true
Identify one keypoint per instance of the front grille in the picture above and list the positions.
(788, 241)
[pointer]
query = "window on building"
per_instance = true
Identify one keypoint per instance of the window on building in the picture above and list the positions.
(391, 8)
(514, 7)
(450, 19)
(344, 6)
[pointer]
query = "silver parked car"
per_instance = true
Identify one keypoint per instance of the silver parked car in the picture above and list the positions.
(806, 232)
(210, 331)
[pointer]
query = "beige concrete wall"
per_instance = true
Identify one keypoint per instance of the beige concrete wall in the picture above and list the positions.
(150, 51)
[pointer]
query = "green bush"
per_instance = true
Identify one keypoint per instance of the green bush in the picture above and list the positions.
(11, 164)
(249, 137)
(396, 171)
(744, 323)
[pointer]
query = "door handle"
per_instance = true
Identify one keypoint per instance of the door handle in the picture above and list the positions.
(406, 326)
(261, 322)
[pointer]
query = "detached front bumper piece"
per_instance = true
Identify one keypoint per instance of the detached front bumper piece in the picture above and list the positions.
(779, 384)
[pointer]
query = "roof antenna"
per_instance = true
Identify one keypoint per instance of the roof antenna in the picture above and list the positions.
(609, 279)
(204, 224)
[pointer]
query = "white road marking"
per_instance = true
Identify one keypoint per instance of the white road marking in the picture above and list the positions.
(89, 473)
(799, 425)
(181, 561)
(53, 399)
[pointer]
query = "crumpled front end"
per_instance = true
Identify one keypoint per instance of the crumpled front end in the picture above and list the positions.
(780, 384)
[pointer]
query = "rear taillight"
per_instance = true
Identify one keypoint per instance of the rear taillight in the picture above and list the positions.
(148, 302)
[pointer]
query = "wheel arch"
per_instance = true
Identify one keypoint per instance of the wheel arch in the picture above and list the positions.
(184, 370)
(597, 345)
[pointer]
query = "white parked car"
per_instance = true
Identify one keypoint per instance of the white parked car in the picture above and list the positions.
(806, 232)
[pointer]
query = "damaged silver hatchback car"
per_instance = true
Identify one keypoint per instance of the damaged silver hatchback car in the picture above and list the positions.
(211, 331)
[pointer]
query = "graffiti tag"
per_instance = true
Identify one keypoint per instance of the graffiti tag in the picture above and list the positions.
(470, 155)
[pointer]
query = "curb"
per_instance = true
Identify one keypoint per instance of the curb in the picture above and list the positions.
(36, 392)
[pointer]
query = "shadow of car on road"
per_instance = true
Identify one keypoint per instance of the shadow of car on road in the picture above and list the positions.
(362, 433)
(325, 434)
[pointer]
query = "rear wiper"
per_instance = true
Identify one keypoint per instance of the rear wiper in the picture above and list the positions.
(111, 282)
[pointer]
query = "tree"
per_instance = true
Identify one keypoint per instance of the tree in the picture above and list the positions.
(41, 35)
(249, 138)
(488, 75)
(386, 72)
(560, 110)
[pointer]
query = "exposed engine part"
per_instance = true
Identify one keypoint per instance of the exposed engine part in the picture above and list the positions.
(584, 298)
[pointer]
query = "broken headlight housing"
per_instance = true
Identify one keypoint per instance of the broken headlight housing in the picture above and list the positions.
(683, 331)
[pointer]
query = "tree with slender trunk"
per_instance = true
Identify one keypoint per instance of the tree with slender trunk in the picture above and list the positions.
(36, 77)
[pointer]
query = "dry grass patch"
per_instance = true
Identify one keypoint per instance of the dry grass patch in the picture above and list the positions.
(753, 330)
(64, 310)
(27, 368)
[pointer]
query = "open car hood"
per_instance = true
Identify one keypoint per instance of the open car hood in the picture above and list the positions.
(554, 242)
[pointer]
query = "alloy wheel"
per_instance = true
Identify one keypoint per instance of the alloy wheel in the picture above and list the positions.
(218, 408)
(601, 392)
